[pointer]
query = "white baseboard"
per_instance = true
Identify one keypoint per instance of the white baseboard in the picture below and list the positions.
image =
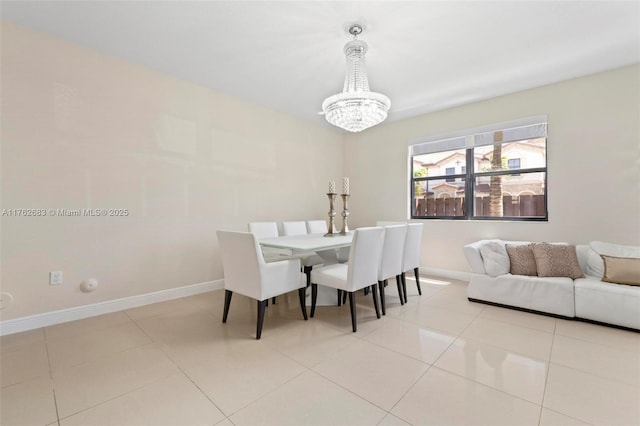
(79, 312)
(446, 273)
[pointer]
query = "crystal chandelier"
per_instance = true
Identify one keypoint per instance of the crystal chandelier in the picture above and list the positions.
(356, 108)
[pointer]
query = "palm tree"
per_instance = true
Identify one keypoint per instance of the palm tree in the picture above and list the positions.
(495, 186)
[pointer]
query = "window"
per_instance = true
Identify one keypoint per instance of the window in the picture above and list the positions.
(450, 171)
(513, 163)
(469, 175)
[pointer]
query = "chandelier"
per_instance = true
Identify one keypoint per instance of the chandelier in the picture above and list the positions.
(356, 108)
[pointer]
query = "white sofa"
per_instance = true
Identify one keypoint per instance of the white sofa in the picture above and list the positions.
(587, 298)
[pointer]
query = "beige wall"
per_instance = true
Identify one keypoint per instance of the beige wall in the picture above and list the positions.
(593, 154)
(86, 130)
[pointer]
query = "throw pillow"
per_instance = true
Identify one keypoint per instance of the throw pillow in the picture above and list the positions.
(621, 270)
(521, 259)
(494, 258)
(557, 260)
(595, 265)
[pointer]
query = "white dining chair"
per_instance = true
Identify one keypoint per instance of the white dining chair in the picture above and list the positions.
(246, 272)
(359, 272)
(264, 229)
(317, 226)
(309, 260)
(411, 258)
(268, 230)
(389, 222)
(391, 257)
(294, 228)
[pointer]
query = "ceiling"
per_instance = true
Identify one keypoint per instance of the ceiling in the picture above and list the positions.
(287, 55)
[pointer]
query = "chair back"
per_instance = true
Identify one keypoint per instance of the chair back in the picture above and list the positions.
(412, 247)
(389, 222)
(294, 228)
(317, 226)
(241, 261)
(364, 258)
(392, 252)
(264, 229)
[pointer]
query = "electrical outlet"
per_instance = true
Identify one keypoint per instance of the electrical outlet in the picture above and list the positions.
(55, 278)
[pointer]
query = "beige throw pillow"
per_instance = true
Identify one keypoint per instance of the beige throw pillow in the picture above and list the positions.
(521, 259)
(595, 264)
(557, 260)
(621, 270)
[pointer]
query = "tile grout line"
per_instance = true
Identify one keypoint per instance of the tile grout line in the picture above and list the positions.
(53, 387)
(546, 382)
(488, 387)
(184, 373)
(407, 391)
(113, 398)
(546, 379)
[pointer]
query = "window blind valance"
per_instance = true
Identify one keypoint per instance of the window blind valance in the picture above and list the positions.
(527, 128)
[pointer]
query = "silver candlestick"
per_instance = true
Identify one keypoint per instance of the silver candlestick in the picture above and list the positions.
(332, 214)
(345, 214)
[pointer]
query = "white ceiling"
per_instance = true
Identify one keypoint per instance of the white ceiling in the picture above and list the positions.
(287, 55)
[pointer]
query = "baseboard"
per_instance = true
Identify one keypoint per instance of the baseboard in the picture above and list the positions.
(79, 312)
(446, 273)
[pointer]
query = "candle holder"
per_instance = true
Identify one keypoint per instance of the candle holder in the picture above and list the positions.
(345, 214)
(332, 214)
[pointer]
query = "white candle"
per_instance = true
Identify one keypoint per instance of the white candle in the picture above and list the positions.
(345, 185)
(332, 187)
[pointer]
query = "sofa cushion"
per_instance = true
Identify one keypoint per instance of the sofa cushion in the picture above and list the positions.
(521, 259)
(610, 303)
(552, 295)
(621, 270)
(557, 260)
(495, 258)
(595, 264)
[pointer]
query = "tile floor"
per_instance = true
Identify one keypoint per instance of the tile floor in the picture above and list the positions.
(437, 360)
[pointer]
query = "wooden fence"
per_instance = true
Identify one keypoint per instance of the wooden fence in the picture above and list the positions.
(522, 206)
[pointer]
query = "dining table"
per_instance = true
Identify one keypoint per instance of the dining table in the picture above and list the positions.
(331, 248)
(324, 245)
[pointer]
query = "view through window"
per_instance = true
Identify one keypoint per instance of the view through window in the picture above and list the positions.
(496, 172)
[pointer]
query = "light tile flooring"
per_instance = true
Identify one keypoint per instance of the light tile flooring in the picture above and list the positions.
(437, 360)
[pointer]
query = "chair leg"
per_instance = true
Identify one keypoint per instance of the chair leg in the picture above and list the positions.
(400, 293)
(381, 284)
(366, 291)
(227, 303)
(262, 305)
(339, 297)
(415, 271)
(314, 297)
(344, 297)
(307, 272)
(302, 295)
(374, 293)
(352, 305)
(273, 300)
(404, 286)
